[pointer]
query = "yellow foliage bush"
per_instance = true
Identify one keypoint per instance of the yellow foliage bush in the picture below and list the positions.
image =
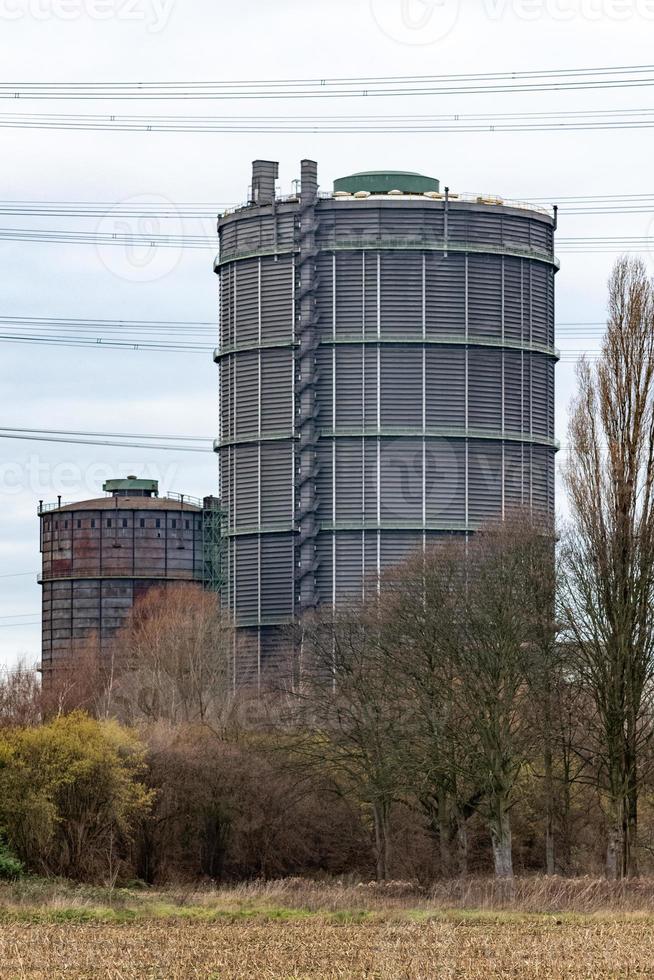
(71, 794)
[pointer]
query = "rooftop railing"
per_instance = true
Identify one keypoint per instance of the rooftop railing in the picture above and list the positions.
(182, 498)
(463, 197)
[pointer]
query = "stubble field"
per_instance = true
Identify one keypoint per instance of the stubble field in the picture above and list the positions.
(294, 930)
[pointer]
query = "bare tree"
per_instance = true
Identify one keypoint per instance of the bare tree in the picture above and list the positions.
(607, 598)
(20, 697)
(353, 722)
(503, 613)
(172, 661)
(417, 606)
(472, 622)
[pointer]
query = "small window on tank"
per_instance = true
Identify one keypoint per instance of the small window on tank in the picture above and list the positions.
(65, 525)
(124, 522)
(56, 525)
(188, 525)
(158, 524)
(174, 524)
(93, 522)
(108, 522)
(79, 524)
(142, 522)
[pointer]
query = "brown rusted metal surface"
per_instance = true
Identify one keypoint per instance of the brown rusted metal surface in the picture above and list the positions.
(100, 556)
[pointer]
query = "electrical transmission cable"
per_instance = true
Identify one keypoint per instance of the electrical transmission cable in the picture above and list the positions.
(584, 244)
(516, 122)
(596, 204)
(547, 80)
(181, 444)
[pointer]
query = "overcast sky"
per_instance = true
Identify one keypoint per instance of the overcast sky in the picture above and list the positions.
(184, 40)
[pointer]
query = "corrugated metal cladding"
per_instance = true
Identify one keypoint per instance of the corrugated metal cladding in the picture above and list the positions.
(431, 336)
(97, 560)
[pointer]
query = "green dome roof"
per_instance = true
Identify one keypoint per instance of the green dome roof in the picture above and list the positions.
(383, 181)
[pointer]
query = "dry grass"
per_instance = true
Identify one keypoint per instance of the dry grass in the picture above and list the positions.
(580, 930)
(447, 947)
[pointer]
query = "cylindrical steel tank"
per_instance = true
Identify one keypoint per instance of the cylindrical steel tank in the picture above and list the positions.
(99, 556)
(386, 376)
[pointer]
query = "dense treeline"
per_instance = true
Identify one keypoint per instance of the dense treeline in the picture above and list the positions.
(487, 708)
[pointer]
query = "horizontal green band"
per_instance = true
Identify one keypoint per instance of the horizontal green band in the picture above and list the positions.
(439, 432)
(374, 526)
(221, 352)
(394, 432)
(250, 438)
(258, 530)
(252, 622)
(398, 245)
(444, 340)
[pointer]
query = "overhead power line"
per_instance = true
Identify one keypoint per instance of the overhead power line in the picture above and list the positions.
(525, 122)
(107, 343)
(547, 80)
(100, 209)
(109, 325)
(160, 240)
(596, 204)
(168, 336)
(106, 238)
(181, 444)
(112, 435)
(164, 336)
(177, 327)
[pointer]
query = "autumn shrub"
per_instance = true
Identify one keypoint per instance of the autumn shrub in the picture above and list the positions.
(71, 794)
(232, 809)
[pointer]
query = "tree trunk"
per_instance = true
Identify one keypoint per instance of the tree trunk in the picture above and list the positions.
(630, 807)
(565, 809)
(631, 855)
(444, 835)
(462, 843)
(550, 867)
(500, 828)
(614, 844)
(616, 817)
(382, 842)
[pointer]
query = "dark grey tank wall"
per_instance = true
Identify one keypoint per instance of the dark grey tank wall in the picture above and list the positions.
(97, 562)
(434, 381)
